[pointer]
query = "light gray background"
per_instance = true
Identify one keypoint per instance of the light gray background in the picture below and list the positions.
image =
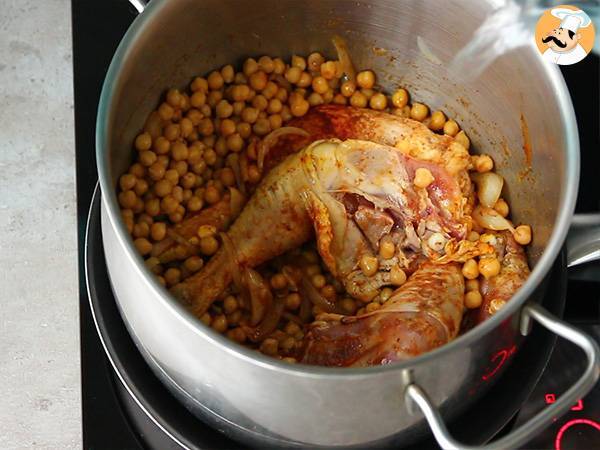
(39, 331)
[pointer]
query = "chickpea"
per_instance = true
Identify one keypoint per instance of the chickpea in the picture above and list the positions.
(266, 64)
(214, 97)
(315, 99)
(274, 106)
(240, 93)
(347, 89)
(275, 121)
(358, 100)
(368, 93)
(328, 291)
(215, 80)
(198, 99)
(249, 115)
(180, 167)
(206, 319)
(278, 66)
(397, 276)
(158, 231)
(258, 80)
(169, 204)
(314, 61)
(339, 99)
(127, 199)
(348, 305)
(227, 127)
(438, 120)
(318, 281)
(141, 187)
(501, 207)
(378, 102)
(174, 98)
(286, 114)
(373, 306)
(293, 74)
(423, 178)
(489, 267)
(172, 276)
(179, 151)
(385, 294)
(219, 323)
(194, 204)
(199, 84)
(227, 73)
(260, 102)
(473, 299)
(365, 79)
(127, 182)
(299, 107)
(210, 157)
(400, 98)
(436, 242)
(143, 141)
(483, 163)
(269, 347)
(172, 176)
(451, 128)
(292, 301)
(153, 207)
(141, 230)
(209, 245)
(305, 80)
(250, 66)
(470, 269)
(206, 127)
(147, 158)
(161, 145)
(473, 236)
(523, 234)
(387, 249)
(278, 281)
(188, 181)
(230, 304)
(237, 335)
(223, 109)
(328, 70)
(166, 111)
(369, 265)
(419, 111)
(143, 246)
(463, 139)
(172, 131)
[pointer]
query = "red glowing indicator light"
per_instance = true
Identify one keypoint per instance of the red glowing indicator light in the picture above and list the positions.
(551, 398)
(569, 424)
(502, 356)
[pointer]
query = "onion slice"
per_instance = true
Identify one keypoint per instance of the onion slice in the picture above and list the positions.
(261, 298)
(270, 139)
(490, 218)
(344, 57)
(489, 187)
(269, 323)
(317, 299)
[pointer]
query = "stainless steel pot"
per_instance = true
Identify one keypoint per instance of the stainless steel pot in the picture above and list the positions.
(272, 402)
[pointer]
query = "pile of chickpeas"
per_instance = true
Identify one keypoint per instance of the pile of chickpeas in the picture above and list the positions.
(202, 141)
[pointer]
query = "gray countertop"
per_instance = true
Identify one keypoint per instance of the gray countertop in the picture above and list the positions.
(40, 404)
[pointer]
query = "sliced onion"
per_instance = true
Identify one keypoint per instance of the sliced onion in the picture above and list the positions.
(489, 187)
(261, 298)
(270, 139)
(311, 292)
(490, 218)
(233, 160)
(344, 57)
(231, 256)
(269, 323)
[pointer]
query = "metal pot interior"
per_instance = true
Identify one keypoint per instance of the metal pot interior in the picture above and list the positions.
(518, 99)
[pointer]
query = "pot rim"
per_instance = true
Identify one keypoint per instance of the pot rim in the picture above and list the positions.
(111, 208)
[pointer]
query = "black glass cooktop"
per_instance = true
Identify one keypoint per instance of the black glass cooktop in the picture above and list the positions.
(107, 423)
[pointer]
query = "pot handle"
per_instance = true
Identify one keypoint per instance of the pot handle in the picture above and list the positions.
(583, 240)
(139, 5)
(415, 395)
